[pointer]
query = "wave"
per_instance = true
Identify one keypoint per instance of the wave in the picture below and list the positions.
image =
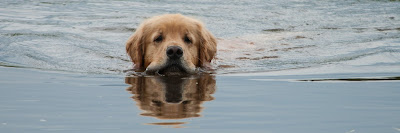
(89, 37)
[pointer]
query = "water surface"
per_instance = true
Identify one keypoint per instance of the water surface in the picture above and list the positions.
(254, 36)
(37, 101)
(282, 66)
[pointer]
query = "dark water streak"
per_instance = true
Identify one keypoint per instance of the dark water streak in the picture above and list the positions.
(356, 79)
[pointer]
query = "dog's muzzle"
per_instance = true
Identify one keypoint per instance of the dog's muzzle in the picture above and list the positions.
(174, 52)
(174, 64)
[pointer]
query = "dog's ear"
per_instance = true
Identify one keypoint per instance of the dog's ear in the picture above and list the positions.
(208, 47)
(136, 84)
(135, 48)
(206, 85)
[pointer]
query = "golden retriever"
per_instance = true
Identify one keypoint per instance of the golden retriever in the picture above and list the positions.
(171, 97)
(171, 44)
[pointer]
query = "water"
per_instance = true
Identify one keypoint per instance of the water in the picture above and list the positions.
(282, 66)
(37, 101)
(89, 36)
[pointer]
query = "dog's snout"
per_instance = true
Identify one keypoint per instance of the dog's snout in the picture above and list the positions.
(174, 52)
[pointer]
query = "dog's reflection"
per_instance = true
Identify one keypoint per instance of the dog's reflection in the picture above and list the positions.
(171, 97)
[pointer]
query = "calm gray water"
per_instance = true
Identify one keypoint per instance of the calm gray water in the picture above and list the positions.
(282, 66)
(36, 101)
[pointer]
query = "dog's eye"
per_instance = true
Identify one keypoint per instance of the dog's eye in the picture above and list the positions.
(186, 102)
(156, 103)
(187, 40)
(158, 39)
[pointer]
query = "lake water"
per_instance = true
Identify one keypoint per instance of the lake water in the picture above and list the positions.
(282, 66)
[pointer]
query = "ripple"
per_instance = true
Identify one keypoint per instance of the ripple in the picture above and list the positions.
(254, 36)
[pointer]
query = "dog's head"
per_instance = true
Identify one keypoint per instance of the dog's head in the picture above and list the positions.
(171, 44)
(171, 97)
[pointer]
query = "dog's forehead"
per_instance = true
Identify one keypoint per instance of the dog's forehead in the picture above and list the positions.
(180, 25)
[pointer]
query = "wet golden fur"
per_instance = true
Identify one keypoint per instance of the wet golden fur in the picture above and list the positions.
(148, 54)
(153, 95)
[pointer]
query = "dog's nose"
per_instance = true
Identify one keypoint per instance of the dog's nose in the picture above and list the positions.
(174, 52)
